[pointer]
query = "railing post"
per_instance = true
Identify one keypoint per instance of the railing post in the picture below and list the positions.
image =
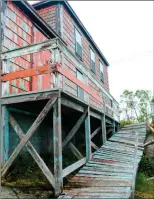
(103, 124)
(57, 139)
(135, 165)
(88, 135)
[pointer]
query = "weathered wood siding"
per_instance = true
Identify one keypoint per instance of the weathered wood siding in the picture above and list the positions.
(69, 37)
(19, 31)
(49, 15)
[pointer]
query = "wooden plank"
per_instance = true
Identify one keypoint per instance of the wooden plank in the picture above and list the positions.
(28, 135)
(28, 73)
(29, 96)
(95, 132)
(75, 128)
(75, 151)
(32, 48)
(88, 136)
(73, 167)
(94, 146)
(57, 139)
(33, 152)
(103, 125)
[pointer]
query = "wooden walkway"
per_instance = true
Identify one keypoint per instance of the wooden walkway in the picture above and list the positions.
(111, 172)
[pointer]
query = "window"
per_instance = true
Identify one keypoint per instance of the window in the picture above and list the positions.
(111, 103)
(92, 61)
(78, 43)
(80, 90)
(101, 71)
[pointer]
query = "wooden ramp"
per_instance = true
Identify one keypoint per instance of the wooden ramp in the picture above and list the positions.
(111, 171)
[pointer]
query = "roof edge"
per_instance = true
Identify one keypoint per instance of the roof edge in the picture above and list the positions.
(47, 3)
(36, 19)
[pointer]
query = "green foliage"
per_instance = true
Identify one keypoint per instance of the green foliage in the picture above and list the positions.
(144, 185)
(147, 166)
(135, 106)
(125, 122)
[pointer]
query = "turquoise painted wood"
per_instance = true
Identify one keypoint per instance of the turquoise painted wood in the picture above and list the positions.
(110, 171)
(5, 113)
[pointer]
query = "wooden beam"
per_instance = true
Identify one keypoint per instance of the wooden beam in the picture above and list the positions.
(57, 138)
(94, 146)
(109, 130)
(75, 128)
(103, 124)
(32, 48)
(95, 132)
(22, 112)
(27, 73)
(29, 96)
(28, 135)
(33, 152)
(88, 136)
(73, 167)
(75, 151)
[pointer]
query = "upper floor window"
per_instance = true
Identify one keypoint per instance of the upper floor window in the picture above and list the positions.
(92, 60)
(101, 71)
(78, 43)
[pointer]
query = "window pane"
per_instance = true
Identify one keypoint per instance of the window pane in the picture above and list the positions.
(79, 76)
(92, 55)
(101, 67)
(78, 37)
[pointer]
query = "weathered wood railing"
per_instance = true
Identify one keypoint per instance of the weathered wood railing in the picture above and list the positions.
(55, 66)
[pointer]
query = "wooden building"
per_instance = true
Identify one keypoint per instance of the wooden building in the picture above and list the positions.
(54, 83)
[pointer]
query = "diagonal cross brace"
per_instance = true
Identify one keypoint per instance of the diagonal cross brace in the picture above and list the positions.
(95, 132)
(94, 146)
(75, 128)
(33, 152)
(30, 132)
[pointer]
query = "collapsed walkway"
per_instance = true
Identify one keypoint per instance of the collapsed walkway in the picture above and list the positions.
(112, 170)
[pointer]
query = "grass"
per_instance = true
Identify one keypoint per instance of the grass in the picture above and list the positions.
(144, 186)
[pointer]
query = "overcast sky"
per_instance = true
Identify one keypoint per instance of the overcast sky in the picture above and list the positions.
(123, 30)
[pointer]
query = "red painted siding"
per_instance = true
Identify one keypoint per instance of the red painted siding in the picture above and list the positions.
(49, 15)
(69, 38)
(19, 31)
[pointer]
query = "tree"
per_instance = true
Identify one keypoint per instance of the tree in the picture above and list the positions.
(135, 106)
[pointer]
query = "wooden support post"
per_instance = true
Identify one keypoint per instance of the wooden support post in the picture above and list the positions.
(57, 139)
(5, 134)
(88, 136)
(103, 124)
